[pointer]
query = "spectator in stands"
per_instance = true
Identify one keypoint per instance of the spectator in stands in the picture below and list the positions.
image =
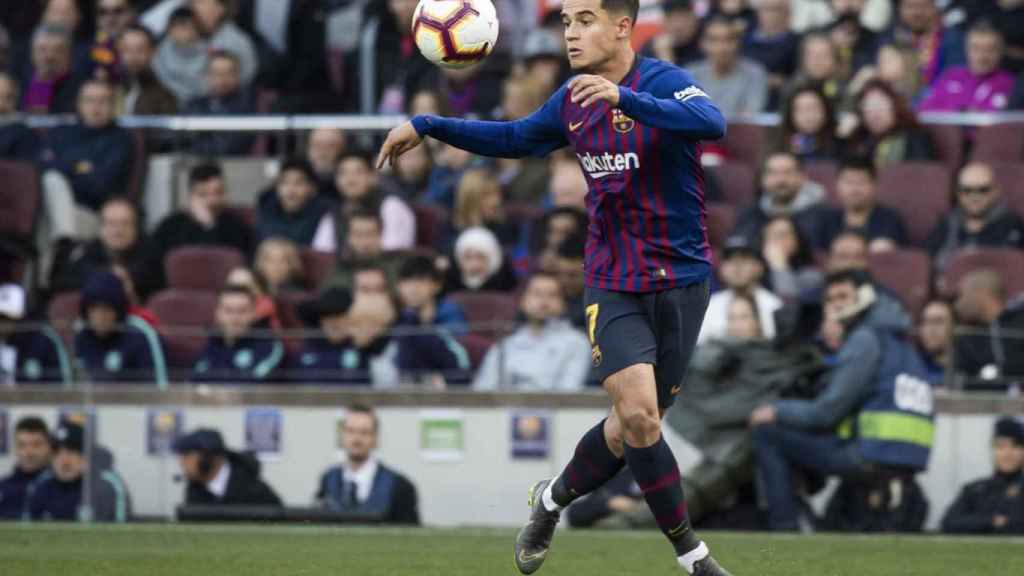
(181, 57)
(894, 64)
(112, 18)
(28, 354)
(479, 263)
(680, 41)
(17, 141)
(49, 84)
(85, 163)
(742, 270)
(224, 96)
(362, 247)
(857, 43)
(135, 303)
(399, 67)
(548, 234)
(919, 24)
(773, 44)
(370, 279)
(569, 271)
(545, 354)
(858, 210)
(265, 315)
(796, 432)
(523, 180)
(427, 322)
(222, 34)
(323, 150)
(987, 355)
(119, 242)
(235, 354)
(568, 186)
(739, 86)
(542, 58)
(737, 12)
(33, 452)
(142, 93)
(980, 86)
(204, 221)
(361, 485)
(848, 251)
(356, 185)
(790, 259)
(935, 338)
(291, 209)
(473, 92)
(279, 267)
(449, 165)
(809, 125)
(409, 177)
(113, 345)
(217, 476)
(994, 505)
(785, 191)
(479, 203)
(980, 218)
(353, 349)
(60, 496)
(819, 66)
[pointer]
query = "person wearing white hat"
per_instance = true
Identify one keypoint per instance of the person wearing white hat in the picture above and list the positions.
(28, 354)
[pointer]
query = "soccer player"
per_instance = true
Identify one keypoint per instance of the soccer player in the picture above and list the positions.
(636, 125)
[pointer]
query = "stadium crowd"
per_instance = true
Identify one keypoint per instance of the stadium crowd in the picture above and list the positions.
(456, 270)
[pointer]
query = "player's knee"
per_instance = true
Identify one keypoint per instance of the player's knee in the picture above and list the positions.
(640, 423)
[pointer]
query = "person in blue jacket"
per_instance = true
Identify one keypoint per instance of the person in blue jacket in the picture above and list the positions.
(33, 451)
(112, 345)
(234, 354)
(29, 353)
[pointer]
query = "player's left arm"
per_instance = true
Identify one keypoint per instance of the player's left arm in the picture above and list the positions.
(674, 103)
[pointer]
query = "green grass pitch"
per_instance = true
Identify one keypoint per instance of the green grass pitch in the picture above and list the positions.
(157, 550)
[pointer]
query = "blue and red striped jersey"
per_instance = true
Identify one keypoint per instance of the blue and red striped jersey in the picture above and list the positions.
(647, 228)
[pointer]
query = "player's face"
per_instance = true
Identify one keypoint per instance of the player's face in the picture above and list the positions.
(1007, 455)
(32, 451)
(359, 436)
(592, 34)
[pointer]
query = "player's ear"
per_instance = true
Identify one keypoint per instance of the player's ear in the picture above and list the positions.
(624, 27)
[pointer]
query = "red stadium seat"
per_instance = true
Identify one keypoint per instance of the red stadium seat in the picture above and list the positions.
(490, 308)
(999, 143)
(920, 192)
(476, 346)
(1010, 176)
(185, 317)
(721, 218)
(19, 199)
(744, 143)
(949, 143)
(905, 272)
(1008, 262)
(246, 213)
(737, 182)
(317, 267)
(200, 267)
(823, 172)
(430, 224)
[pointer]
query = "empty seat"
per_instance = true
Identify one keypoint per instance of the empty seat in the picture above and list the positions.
(431, 221)
(185, 318)
(823, 172)
(1010, 176)
(948, 140)
(906, 272)
(721, 219)
(744, 143)
(200, 267)
(495, 310)
(317, 267)
(999, 143)
(736, 181)
(19, 199)
(920, 192)
(1008, 262)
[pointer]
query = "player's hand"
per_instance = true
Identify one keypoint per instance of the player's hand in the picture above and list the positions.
(587, 89)
(764, 414)
(400, 140)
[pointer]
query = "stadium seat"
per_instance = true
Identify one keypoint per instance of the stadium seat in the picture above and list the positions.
(19, 200)
(721, 219)
(185, 317)
(1010, 176)
(317, 267)
(823, 172)
(246, 214)
(919, 191)
(1008, 262)
(490, 308)
(200, 267)
(736, 181)
(744, 143)
(907, 272)
(476, 346)
(431, 221)
(949, 143)
(999, 143)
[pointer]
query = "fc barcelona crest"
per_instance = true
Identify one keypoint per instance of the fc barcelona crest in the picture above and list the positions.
(621, 122)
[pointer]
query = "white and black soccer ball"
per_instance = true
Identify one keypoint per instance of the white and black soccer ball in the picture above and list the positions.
(455, 33)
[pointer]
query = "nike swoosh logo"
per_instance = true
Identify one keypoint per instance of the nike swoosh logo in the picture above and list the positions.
(598, 175)
(524, 557)
(574, 125)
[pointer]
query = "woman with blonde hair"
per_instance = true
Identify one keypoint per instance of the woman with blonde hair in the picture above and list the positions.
(478, 203)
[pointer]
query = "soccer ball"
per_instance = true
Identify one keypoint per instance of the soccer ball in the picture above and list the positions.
(455, 33)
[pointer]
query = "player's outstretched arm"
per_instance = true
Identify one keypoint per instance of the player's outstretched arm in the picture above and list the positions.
(400, 140)
(675, 103)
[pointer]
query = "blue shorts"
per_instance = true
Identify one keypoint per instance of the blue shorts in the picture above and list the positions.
(657, 328)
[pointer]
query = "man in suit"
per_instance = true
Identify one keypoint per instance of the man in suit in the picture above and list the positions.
(362, 485)
(218, 476)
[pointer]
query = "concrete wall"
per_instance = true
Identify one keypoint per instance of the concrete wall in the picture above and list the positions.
(485, 487)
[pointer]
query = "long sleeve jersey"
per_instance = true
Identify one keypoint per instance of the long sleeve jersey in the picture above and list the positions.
(641, 159)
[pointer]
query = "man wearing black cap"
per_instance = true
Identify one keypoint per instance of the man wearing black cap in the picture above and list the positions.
(742, 270)
(994, 505)
(113, 345)
(219, 476)
(59, 497)
(235, 355)
(33, 450)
